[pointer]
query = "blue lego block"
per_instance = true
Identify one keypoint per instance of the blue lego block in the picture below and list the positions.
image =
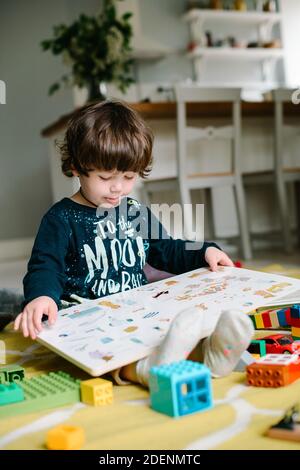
(180, 388)
(295, 312)
(282, 317)
(11, 393)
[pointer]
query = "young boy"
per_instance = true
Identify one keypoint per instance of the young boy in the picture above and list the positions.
(89, 245)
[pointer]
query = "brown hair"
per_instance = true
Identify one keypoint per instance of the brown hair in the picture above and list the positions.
(107, 136)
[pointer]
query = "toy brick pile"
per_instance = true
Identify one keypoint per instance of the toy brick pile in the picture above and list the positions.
(22, 395)
(280, 317)
(275, 370)
(19, 395)
(176, 389)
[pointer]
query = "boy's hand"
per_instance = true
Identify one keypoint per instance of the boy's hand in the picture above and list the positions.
(215, 257)
(30, 320)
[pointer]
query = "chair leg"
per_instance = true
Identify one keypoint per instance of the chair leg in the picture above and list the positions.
(243, 220)
(209, 214)
(187, 207)
(284, 213)
(297, 191)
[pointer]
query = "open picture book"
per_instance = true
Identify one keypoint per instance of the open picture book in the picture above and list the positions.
(109, 332)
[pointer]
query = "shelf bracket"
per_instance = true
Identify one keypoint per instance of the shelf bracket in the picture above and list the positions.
(268, 68)
(265, 30)
(198, 65)
(197, 31)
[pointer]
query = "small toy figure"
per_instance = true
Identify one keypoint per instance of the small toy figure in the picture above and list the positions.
(288, 428)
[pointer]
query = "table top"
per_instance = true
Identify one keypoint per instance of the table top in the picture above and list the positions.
(167, 110)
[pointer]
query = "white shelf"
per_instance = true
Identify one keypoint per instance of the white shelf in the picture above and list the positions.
(246, 17)
(261, 22)
(148, 49)
(236, 53)
(148, 55)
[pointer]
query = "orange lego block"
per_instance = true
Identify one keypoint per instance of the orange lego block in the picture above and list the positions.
(96, 392)
(274, 370)
(65, 437)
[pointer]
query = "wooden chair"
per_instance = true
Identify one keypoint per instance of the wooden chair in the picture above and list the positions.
(280, 175)
(185, 181)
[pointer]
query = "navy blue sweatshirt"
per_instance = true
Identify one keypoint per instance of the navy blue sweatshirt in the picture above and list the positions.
(96, 252)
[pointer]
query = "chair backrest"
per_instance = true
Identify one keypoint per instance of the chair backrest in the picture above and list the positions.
(284, 95)
(198, 94)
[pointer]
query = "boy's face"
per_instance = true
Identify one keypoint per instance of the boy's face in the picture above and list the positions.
(106, 188)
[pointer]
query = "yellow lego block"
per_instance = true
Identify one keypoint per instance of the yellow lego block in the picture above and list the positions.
(259, 321)
(96, 392)
(295, 331)
(256, 357)
(65, 437)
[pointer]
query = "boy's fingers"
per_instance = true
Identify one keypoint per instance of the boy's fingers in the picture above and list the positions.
(226, 261)
(23, 324)
(52, 314)
(30, 325)
(18, 321)
(37, 317)
(213, 265)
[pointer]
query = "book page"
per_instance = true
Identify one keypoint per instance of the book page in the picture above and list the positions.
(103, 334)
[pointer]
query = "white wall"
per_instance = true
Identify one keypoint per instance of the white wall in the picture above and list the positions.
(25, 192)
(291, 37)
(28, 71)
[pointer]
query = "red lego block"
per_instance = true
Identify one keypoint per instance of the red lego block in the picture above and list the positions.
(295, 311)
(295, 322)
(266, 319)
(238, 264)
(288, 316)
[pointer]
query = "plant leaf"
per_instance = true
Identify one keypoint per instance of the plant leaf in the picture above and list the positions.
(53, 88)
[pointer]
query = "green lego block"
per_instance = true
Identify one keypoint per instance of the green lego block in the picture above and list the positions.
(11, 393)
(11, 373)
(257, 346)
(43, 392)
(252, 318)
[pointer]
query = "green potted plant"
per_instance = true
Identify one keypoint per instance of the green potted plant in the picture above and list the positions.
(97, 49)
